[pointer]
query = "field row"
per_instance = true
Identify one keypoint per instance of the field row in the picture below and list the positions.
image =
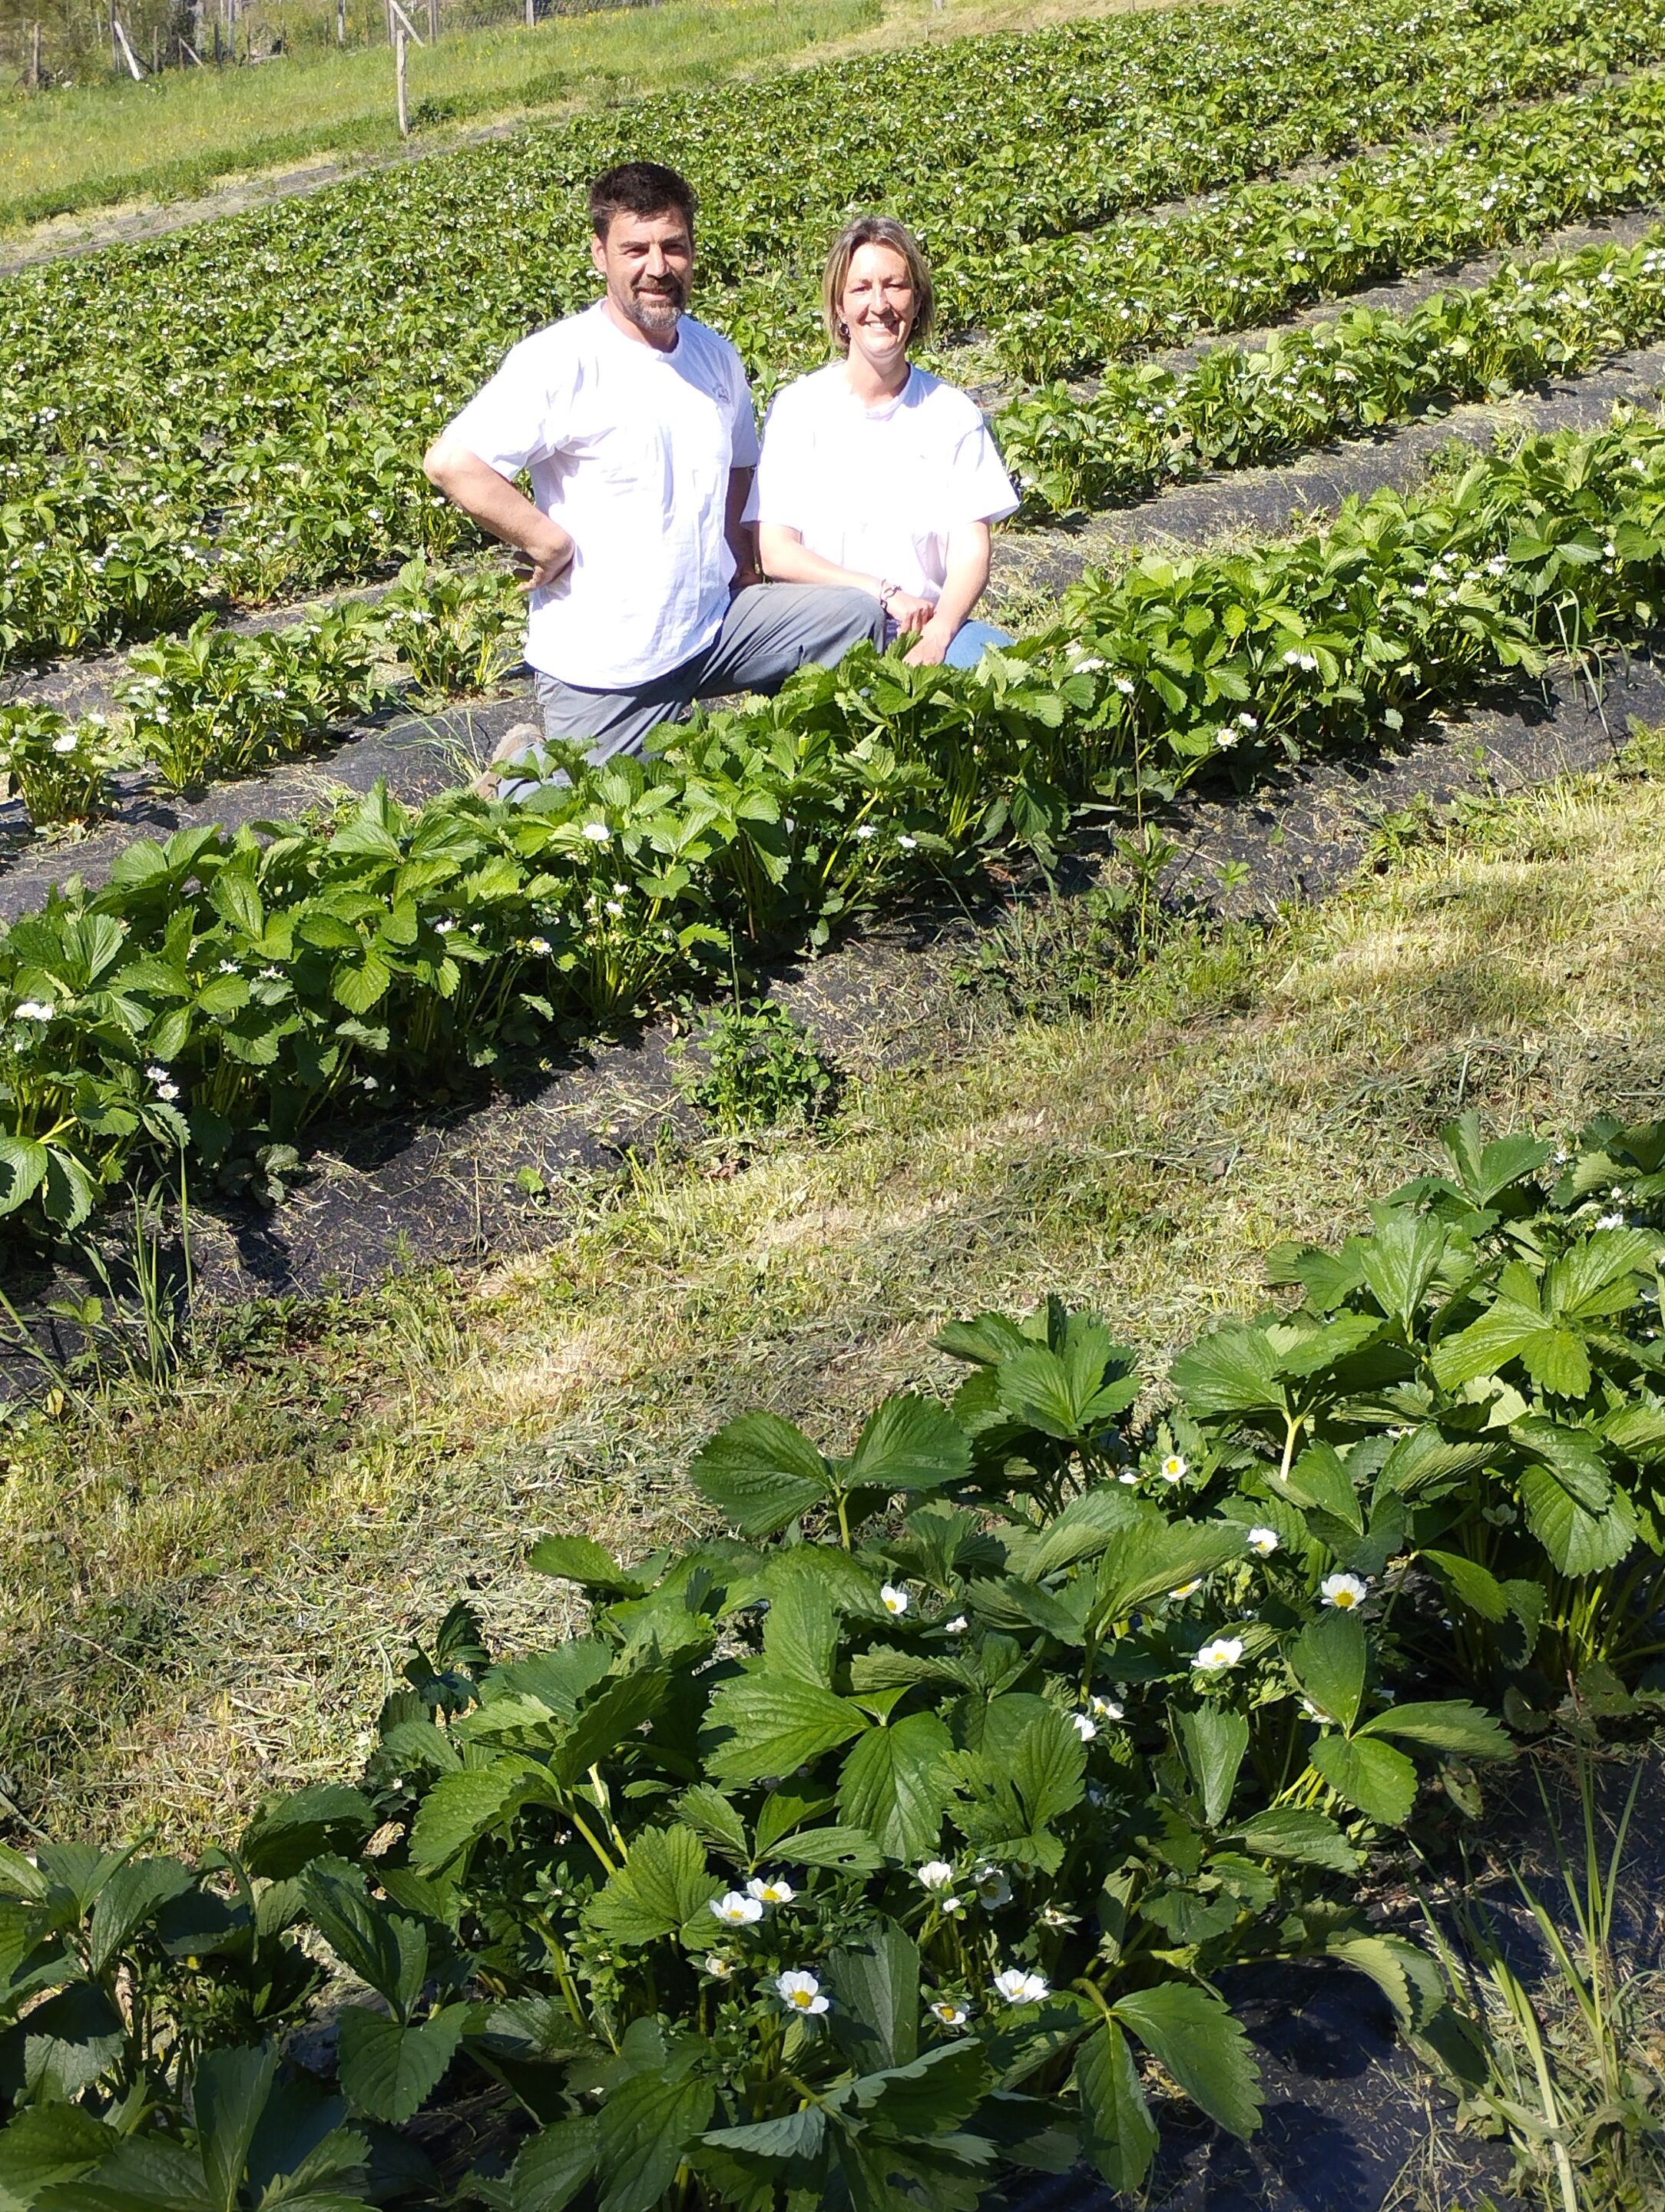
(174, 431)
(218, 704)
(118, 545)
(1146, 426)
(221, 993)
(870, 1829)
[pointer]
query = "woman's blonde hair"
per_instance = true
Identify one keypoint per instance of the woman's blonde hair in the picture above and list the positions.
(875, 230)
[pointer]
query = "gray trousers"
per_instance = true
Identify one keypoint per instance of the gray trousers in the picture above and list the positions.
(769, 630)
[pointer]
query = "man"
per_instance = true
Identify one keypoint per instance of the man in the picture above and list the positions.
(636, 424)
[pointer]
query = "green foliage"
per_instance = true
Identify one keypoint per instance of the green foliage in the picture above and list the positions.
(455, 630)
(243, 416)
(887, 1839)
(222, 702)
(1146, 425)
(59, 768)
(761, 1070)
(274, 973)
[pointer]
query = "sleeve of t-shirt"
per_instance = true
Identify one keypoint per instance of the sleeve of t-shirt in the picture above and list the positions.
(520, 416)
(778, 494)
(979, 488)
(743, 425)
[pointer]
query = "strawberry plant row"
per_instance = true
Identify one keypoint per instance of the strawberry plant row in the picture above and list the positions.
(1062, 308)
(218, 703)
(223, 991)
(174, 431)
(1147, 426)
(861, 1850)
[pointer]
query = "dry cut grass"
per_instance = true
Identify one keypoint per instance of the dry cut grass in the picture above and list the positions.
(208, 1588)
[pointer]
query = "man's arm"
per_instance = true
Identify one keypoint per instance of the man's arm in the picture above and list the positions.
(493, 502)
(741, 534)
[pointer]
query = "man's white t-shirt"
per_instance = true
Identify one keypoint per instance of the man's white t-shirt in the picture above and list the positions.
(630, 449)
(878, 489)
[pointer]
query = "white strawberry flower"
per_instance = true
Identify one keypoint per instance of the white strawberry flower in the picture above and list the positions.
(717, 1966)
(1344, 1592)
(35, 1010)
(1086, 1728)
(893, 1600)
(1187, 1589)
(1106, 1709)
(1018, 1988)
(736, 1910)
(771, 1891)
(800, 1992)
(598, 833)
(949, 2013)
(934, 1875)
(1263, 1542)
(957, 1626)
(993, 1889)
(1215, 1658)
(1173, 1468)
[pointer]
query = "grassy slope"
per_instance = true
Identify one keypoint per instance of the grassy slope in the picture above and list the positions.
(107, 141)
(209, 1590)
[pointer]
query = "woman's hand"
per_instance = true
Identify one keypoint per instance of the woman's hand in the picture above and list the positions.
(931, 649)
(909, 614)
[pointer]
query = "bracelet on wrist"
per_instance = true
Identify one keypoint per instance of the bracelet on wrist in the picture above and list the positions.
(887, 591)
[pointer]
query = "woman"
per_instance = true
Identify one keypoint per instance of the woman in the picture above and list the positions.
(876, 473)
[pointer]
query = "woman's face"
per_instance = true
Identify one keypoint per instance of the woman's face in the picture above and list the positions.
(877, 304)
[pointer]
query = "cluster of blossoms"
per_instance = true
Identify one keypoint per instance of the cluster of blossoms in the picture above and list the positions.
(744, 1908)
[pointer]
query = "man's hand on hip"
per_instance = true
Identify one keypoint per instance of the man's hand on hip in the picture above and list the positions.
(550, 552)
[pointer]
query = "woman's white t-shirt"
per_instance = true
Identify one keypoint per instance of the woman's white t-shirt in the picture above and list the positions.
(878, 489)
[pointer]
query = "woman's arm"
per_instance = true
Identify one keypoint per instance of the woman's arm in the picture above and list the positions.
(970, 549)
(789, 561)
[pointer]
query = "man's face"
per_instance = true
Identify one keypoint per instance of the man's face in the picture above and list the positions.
(648, 263)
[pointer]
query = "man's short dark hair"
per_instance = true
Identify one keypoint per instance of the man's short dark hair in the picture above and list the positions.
(639, 188)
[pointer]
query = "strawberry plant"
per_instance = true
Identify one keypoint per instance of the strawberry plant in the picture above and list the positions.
(899, 1837)
(456, 631)
(59, 768)
(220, 702)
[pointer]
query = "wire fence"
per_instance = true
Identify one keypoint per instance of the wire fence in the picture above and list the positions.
(140, 39)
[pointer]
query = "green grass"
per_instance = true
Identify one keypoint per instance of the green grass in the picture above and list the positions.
(107, 140)
(208, 1588)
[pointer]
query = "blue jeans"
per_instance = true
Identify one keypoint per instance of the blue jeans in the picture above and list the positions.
(965, 648)
(970, 639)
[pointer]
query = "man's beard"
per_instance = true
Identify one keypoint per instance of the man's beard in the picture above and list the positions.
(659, 309)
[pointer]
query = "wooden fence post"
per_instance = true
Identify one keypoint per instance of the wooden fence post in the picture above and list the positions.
(341, 22)
(34, 57)
(433, 22)
(399, 48)
(532, 15)
(132, 60)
